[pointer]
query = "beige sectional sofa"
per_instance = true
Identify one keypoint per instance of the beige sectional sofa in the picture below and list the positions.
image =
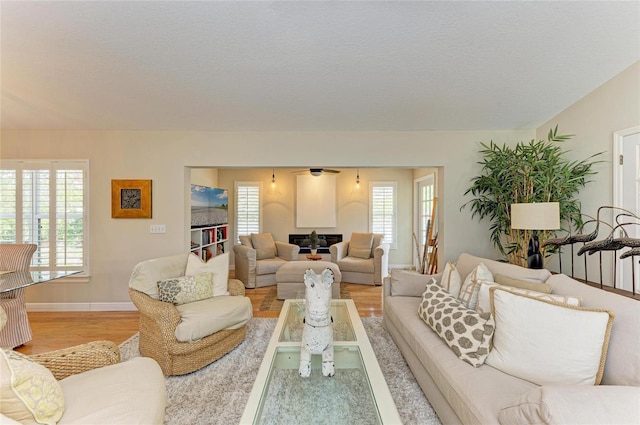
(461, 393)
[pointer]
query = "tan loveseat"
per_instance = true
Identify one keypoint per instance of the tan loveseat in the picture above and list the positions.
(363, 259)
(258, 258)
(484, 395)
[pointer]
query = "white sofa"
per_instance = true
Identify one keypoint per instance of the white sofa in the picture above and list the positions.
(461, 393)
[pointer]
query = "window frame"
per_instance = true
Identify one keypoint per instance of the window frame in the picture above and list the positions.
(237, 185)
(52, 166)
(393, 243)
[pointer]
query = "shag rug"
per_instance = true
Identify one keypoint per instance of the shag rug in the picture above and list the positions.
(218, 393)
(272, 303)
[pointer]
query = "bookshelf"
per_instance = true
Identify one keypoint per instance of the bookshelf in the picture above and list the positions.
(207, 242)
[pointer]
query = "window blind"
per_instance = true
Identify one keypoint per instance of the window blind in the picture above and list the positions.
(383, 210)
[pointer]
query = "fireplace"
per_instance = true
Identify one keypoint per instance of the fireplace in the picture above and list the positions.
(326, 240)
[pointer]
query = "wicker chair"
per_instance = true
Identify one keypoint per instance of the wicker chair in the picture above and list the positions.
(15, 257)
(158, 322)
(78, 359)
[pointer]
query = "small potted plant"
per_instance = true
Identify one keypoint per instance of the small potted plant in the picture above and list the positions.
(313, 241)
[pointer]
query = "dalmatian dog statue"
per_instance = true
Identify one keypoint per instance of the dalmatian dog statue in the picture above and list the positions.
(317, 334)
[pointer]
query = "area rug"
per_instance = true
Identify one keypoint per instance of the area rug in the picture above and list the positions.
(272, 303)
(218, 393)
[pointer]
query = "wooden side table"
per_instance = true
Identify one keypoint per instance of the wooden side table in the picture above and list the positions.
(315, 257)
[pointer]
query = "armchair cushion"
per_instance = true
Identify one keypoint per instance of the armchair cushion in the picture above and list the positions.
(30, 394)
(218, 266)
(264, 245)
(146, 274)
(360, 245)
(206, 317)
(186, 289)
(245, 240)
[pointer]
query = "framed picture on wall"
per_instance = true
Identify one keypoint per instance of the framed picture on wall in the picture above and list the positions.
(130, 198)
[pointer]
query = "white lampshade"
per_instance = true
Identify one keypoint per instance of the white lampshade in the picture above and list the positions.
(536, 216)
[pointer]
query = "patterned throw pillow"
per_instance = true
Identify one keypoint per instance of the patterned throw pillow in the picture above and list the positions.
(186, 289)
(471, 286)
(28, 390)
(451, 279)
(465, 331)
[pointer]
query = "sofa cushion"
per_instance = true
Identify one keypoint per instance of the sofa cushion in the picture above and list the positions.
(146, 274)
(451, 280)
(567, 345)
(602, 404)
(186, 289)
(131, 392)
(523, 284)
(29, 392)
(356, 265)
(465, 331)
(476, 394)
(269, 266)
(469, 291)
(409, 283)
(467, 262)
(360, 245)
(622, 366)
(484, 301)
(264, 245)
(218, 266)
(206, 317)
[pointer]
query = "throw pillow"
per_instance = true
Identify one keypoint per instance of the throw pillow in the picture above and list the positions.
(469, 291)
(264, 245)
(408, 283)
(484, 301)
(186, 289)
(245, 240)
(546, 342)
(451, 279)
(465, 331)
(29, 392)
(360, 245)
(522, 284)
(218, 266)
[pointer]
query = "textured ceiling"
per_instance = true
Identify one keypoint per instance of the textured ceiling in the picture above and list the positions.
(306, 66)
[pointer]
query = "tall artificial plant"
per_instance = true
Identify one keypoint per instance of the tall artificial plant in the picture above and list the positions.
(529, 172)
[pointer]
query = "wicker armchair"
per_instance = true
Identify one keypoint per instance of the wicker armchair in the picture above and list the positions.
(159, 320)
(78, 359)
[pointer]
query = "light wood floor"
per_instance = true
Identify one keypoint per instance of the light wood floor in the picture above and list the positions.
(55, 330)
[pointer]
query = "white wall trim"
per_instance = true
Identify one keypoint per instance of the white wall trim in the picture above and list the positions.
(618, 137)
(121, 306)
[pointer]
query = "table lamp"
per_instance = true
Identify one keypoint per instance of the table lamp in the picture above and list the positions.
(535, 216)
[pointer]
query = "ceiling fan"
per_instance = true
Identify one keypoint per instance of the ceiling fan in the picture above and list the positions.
(317, 171)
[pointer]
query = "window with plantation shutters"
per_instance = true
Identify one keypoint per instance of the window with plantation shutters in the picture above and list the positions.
(248, 208)
(383, 210)
(45, 203)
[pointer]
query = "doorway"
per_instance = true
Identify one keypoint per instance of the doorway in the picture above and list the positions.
(626, 194)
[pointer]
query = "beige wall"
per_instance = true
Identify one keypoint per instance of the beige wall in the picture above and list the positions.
(612, 107)
(116, 245)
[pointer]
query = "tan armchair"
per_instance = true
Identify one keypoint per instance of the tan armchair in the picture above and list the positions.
(363, 259)
(258, 258)
(184, 338)
(95, 386)
(15, 257)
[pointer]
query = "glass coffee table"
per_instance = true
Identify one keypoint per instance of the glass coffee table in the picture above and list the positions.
(357, 394)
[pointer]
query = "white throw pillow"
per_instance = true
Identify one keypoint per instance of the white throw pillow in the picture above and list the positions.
(451, 280)
(218, 266)
(548, 343)
(28, 391)
(469, 291)
(484, 301)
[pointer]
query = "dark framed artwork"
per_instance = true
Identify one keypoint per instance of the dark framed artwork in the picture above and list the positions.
(130, 198)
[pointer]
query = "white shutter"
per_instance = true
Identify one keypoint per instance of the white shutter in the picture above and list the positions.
(44, 203)
(383, 210)
(248, 201)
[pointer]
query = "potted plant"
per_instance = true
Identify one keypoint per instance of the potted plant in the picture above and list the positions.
(313, 241)
(533, 172)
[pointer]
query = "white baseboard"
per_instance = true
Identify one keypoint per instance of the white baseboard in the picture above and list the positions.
(121, 306)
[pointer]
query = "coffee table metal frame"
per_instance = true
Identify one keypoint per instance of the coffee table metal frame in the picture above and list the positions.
(387, 412)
